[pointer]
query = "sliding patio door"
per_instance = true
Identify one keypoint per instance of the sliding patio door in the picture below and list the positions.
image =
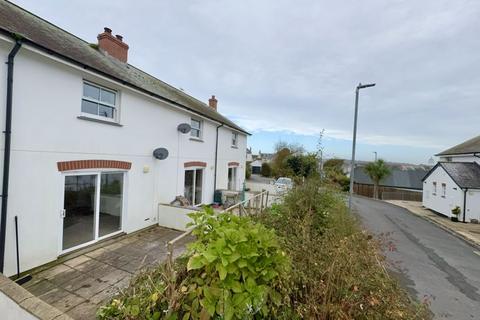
(93, 206)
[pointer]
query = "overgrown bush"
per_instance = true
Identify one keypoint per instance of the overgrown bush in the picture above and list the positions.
(234, 270)
(317, 265)
(302, 165)
(236, 266)
(337, 271)
(266, 170)
(248, 170)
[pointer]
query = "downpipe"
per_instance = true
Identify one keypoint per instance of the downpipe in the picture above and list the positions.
(216, 160)
(6, 154)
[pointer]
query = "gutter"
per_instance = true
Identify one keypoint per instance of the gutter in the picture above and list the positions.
(216, 160)
(465, 203)
(6, 154)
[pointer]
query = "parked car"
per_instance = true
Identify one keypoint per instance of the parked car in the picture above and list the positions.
(283, 184)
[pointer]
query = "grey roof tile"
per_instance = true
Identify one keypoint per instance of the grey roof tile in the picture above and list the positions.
(465, 174)
(401, 176)
(469, 146)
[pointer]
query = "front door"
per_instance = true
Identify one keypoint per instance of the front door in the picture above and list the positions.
(92, 208)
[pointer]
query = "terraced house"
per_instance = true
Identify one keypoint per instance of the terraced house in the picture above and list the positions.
(93, 145)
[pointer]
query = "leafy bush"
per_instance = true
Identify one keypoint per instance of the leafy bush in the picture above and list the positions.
(248, 170)
(234, 270)
(266, 170)
(337, 271)
(302, 165)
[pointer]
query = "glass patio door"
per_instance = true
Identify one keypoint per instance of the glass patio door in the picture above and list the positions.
(79, 210)
(93, 206)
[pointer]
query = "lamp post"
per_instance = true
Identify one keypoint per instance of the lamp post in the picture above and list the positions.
(375, 155)
(352, 164)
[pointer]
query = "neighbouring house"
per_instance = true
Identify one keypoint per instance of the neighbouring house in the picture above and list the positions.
(96, 143)
(455, 181)
(258, 160)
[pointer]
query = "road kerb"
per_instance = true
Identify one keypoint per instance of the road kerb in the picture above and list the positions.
(442, 226)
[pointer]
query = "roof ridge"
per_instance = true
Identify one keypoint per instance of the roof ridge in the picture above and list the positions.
(171, 86)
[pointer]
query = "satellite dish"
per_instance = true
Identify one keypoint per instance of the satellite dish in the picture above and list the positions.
(184, 128)
(160, 153)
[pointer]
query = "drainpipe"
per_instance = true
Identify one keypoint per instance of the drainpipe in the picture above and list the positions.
(216, 160)
(6, 154)
(465, 203)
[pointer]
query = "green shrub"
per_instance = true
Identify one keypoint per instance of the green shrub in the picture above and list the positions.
(337, 271)
(236, 267)
(266, 170)
(234, 270)
(248, 170)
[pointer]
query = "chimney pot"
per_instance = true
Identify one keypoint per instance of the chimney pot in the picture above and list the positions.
(114, 46)
(212, 102)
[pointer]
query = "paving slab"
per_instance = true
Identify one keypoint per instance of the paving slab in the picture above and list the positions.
(80, 285)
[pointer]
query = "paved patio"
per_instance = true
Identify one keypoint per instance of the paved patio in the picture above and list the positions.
(80, 284)
(468, 231)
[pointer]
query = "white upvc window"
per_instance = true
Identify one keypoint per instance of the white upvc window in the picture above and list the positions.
(196, 131)
(434, 184)
(444, 190)
(234, 139)
(193, 185)
(99, 101)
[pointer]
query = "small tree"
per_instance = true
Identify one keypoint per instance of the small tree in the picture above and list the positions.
(266, 170)
(377, 171)
(248, 170)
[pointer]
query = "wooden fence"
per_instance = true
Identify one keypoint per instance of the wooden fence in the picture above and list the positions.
(387, 193)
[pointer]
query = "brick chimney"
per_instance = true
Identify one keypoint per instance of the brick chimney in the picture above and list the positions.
(212, 102)
(114, 46)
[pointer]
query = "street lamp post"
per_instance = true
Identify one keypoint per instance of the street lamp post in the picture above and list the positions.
(375, 155)
(352, 164)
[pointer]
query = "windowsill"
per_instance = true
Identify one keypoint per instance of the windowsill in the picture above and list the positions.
(196, 139)
(234, 147)
(112, 123)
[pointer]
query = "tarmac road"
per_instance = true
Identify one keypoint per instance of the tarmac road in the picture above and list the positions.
(429, 262)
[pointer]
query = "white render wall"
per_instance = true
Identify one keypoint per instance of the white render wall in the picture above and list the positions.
(453, 196)
(473, 205)
(45, 130)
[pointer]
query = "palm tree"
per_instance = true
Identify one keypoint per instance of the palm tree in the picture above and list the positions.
(377, 171)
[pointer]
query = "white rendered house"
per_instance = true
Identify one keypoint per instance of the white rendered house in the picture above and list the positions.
(84, 128)
(455, 181)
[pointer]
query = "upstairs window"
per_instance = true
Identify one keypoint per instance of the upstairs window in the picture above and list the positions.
(434, 184)
(234, 139)
(196, 131)
(99, 101)
(444, 190)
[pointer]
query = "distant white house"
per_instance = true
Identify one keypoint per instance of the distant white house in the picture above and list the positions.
(455, 181)
(84, 127)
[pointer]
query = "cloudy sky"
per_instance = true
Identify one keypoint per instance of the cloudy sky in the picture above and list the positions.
(287, 69)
